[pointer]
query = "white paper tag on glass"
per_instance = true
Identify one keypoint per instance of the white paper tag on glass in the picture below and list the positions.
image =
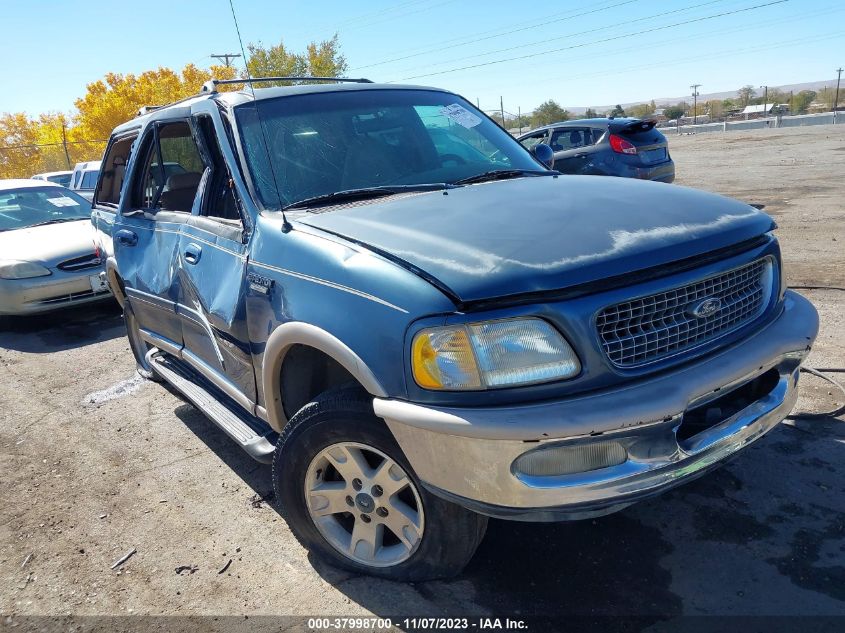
(63, 201)
(460, 115)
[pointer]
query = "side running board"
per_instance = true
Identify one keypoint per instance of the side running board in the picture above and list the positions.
(253, 436)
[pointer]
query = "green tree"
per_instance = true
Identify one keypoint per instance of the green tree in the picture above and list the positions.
(801, 102)
(322, 59)
(590, 114)
(826, 96)
(675, 111)
(745, 94)
(641, 110)
(617, 111)
(549, 112)
(714, 108)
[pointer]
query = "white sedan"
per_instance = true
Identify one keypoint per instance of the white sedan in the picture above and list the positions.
(47, 254)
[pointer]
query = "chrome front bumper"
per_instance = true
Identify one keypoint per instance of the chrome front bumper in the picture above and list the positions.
(467, 455)
(42, 294)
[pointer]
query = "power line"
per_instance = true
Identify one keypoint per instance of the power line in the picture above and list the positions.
(780, 45)
(616, 70)
(371, 14)
(389, 18)
(490, 37)
(608, 39)
(33, 145)
(803, 15)
(570, 35)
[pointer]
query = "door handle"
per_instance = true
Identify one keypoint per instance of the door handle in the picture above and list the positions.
(192, 253)
(127, 238)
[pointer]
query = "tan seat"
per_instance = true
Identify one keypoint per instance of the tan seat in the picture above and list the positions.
(180, 191)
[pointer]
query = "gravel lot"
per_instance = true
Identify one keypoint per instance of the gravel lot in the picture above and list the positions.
(96, 462)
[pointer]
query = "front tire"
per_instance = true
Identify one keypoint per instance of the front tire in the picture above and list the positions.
(351, 497)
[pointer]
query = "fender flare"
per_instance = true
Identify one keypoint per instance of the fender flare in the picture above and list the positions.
(293, 333)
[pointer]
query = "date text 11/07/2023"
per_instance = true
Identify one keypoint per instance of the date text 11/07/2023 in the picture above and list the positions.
(417, 624)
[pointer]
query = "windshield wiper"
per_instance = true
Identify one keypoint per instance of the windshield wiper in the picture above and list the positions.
(363, 192)
(55, 221)
(502, 174)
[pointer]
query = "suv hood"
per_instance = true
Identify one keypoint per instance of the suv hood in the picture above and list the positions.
(539, 234)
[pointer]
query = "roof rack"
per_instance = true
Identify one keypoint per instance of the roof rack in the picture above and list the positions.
(211, 85)
(147, 109)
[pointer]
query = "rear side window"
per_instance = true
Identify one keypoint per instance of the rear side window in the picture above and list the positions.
(170, 172)
(573, 138)
(114, 170)
(89, 180)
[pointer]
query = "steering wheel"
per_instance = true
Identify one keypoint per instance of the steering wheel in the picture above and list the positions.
(452, 157)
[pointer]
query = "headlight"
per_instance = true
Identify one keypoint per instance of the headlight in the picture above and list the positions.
(491, 354)
(21, 270)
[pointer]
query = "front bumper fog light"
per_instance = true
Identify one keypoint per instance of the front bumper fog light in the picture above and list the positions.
(553, 461)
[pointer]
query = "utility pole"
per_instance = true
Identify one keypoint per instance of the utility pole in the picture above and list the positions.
(836, 98)
(519, 118)
(502, 108)
(226, 57)
(64, 143)
(695, 88)
(765, 100)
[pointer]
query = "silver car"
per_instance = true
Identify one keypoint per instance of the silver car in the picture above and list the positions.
(47, 255)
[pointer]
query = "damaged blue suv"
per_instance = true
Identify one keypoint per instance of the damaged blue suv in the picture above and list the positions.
(378, 290)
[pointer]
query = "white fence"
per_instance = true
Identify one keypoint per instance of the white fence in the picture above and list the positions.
(825, 118)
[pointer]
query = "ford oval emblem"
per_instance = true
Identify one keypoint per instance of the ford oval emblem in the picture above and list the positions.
(705, 308)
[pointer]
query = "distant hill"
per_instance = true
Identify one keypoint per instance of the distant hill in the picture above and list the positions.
(707, 96)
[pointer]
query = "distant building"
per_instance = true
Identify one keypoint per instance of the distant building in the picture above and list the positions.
(760, 108)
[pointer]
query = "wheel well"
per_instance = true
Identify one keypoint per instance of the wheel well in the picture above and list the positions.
(306, 373)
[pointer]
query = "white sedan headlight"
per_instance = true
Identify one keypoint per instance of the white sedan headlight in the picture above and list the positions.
(491, 354)
(21, 270)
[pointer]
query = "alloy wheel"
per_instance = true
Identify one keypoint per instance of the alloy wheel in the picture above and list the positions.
(364, 504)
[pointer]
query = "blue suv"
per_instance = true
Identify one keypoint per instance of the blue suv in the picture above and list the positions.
(378, 290)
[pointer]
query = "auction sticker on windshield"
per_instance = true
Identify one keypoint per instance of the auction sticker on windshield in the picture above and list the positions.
(63, 201)
(460, 115)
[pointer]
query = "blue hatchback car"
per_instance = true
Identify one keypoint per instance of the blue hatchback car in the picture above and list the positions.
(379, 290)
(631, 148)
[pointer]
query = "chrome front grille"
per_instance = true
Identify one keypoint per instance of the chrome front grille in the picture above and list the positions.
(665, 324)
(81, 263)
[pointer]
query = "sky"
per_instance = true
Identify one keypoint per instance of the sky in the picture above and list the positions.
(578, 52)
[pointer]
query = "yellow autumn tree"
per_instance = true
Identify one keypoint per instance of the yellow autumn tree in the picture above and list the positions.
(55, 141)
(116, 98)
(18, 151)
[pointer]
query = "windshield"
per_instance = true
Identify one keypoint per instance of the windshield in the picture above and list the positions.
(60, 179)
(327, 142)
(20, 208)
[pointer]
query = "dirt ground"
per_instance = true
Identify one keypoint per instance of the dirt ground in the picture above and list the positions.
(95, 463)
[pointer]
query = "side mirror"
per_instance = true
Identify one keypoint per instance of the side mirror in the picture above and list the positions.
(544, 154)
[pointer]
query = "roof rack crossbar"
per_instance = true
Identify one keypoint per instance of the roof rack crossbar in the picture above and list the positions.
(148, 108)
(211, 85)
